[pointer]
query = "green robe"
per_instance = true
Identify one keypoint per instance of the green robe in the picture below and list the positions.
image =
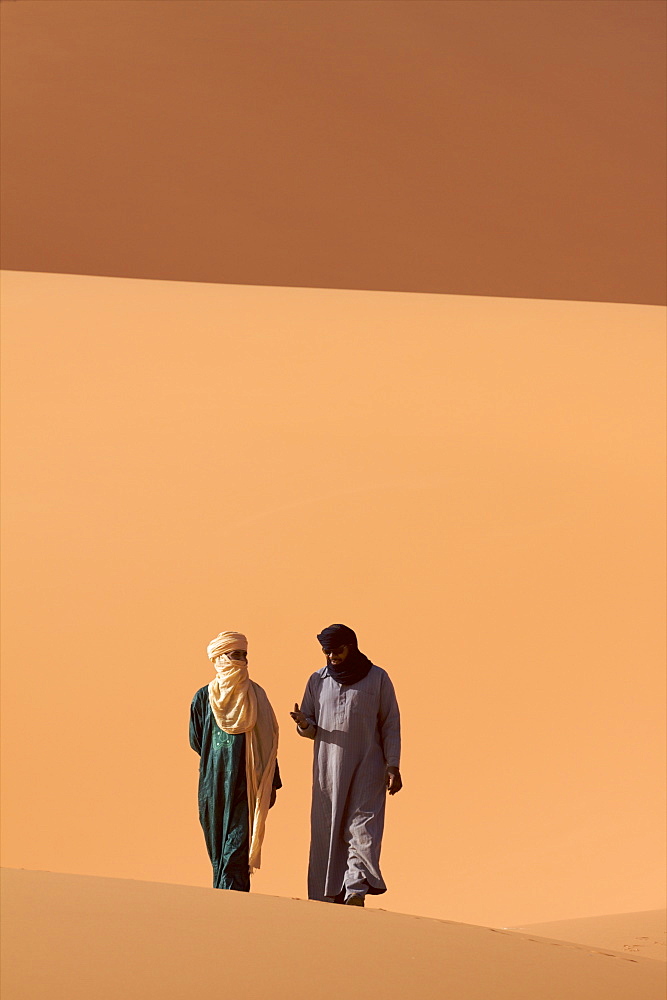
(223, 800)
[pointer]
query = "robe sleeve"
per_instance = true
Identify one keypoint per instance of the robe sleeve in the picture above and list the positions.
(390, 723)
(196, 724)
(277, 783)
(309, 709)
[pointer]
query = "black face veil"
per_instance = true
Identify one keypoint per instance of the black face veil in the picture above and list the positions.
(355, 666)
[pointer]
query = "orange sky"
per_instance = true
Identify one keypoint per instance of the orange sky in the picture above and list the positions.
(474, 484)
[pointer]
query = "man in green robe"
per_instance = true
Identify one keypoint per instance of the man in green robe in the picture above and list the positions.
(231, 730)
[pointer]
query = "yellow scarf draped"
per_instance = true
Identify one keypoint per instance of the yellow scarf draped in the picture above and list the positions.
(239, 705)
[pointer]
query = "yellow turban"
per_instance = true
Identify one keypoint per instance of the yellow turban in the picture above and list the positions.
(225, 642)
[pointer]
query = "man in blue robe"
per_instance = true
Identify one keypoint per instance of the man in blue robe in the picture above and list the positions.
(349, 709)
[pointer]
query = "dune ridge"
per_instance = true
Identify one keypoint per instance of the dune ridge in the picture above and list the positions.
(642, 933)
(78, 936)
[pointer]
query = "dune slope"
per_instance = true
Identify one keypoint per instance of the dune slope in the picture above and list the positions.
(640, 933)
(73, 936)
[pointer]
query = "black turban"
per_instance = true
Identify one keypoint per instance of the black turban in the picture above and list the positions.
(355, 666)
(335, 636)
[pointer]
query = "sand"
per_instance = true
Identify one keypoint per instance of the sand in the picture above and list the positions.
(347, 143)
(70, 936)
(474, 481)
(631, 933)
(507, 549)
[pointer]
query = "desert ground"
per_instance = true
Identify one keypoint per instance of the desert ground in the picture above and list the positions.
(327, 312)
(70, 937)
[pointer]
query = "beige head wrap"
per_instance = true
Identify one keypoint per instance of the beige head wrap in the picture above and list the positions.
(226, 642)
(239, 705)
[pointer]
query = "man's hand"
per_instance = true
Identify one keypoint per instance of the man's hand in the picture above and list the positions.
(298, 716)
(394, 780)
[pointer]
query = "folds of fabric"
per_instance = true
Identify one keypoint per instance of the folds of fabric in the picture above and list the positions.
(356, 665)
(241, 706)
(226, 642)
(232, 696)
(356, 731)
(261, 753)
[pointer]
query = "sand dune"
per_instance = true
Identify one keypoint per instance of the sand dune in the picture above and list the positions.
(393, 192)
(632, 933)
(73, 936)
(497, 462)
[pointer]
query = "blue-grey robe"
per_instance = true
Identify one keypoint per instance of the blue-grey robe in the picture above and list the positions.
(356, 729)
